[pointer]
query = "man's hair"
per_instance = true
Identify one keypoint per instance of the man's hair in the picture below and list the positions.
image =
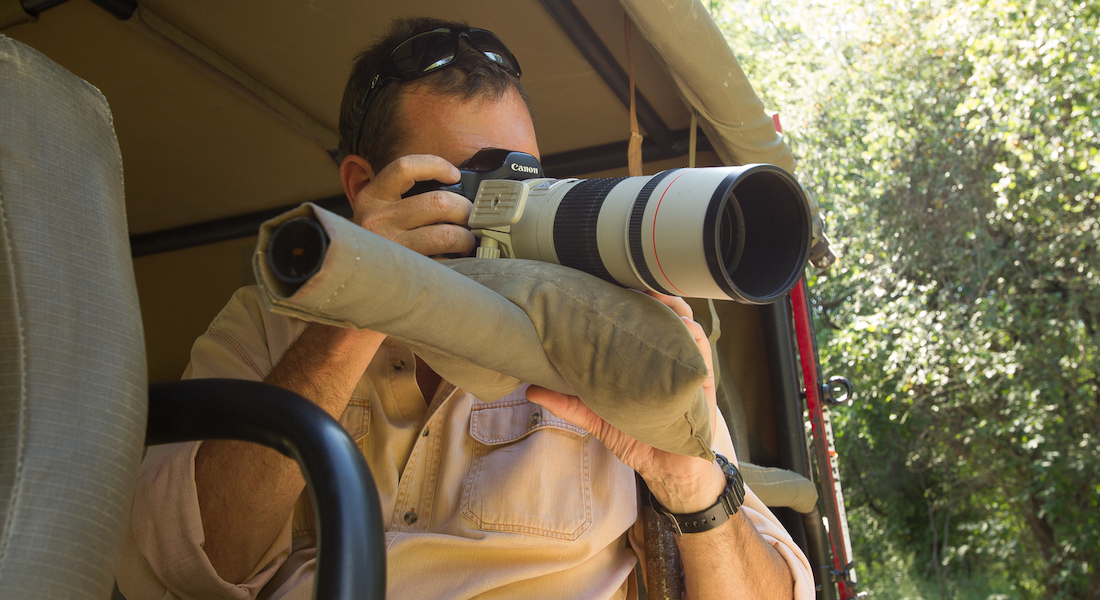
(471, 75)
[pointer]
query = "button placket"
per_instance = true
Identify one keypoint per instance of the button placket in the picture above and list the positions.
(416, 487)
(400, 376)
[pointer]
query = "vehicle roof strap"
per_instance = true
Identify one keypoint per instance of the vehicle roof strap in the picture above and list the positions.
(634, 149)
(692, 137)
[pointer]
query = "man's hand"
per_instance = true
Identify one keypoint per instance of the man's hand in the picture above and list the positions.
(683, 484)
(431, 223)
(729, 562)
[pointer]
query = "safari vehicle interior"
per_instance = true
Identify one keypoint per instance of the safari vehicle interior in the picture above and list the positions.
(225, 116)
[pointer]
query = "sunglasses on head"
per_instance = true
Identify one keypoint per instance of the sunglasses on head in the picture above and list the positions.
(426, 52)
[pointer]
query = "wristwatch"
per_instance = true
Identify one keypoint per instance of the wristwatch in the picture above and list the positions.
(725, 507)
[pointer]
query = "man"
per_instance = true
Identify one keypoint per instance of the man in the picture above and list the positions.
(502, 499)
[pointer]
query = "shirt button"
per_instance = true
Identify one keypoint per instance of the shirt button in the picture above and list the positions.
(536, 418)
(426, 430)
(397, 366)
(410, 517)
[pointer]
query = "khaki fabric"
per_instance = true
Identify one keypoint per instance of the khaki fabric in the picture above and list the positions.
(488, 325)
(780, 487)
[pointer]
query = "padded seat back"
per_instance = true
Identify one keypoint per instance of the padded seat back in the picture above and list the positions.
(72, 364)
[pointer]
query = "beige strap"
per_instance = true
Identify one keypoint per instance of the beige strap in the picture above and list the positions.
(692, 137)
(634, 150)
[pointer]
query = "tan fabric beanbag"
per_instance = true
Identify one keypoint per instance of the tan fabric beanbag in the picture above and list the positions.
(488, 325)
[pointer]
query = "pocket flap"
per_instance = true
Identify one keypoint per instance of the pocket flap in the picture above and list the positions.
(505, 421)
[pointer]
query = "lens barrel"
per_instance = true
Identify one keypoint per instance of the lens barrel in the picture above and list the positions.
(738, 233)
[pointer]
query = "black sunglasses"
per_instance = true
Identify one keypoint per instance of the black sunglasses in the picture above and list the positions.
(426, 52)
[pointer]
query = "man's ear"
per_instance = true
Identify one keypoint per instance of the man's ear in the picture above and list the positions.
(355, 173)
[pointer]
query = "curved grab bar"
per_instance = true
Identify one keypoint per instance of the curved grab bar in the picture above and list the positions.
(350, 547)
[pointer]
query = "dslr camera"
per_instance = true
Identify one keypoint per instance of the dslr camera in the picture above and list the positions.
(732, 233)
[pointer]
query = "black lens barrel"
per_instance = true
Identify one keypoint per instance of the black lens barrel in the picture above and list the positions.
(575, 226)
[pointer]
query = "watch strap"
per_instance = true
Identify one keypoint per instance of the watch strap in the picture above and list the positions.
(715, 515)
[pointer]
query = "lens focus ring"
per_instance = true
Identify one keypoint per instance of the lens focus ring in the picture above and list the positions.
(575, 226)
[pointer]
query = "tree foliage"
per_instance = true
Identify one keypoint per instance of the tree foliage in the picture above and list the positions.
(953, 147)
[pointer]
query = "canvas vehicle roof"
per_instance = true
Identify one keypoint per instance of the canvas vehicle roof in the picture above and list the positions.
(226, 110)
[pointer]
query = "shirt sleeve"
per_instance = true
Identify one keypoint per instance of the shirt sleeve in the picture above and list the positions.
(162, 555)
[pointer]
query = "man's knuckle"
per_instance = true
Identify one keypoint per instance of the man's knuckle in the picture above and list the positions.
(454, 236)
(460, 239)
(402, 165)
(439, 202)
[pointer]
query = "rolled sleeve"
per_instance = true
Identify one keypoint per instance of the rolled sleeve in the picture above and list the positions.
(163, 555)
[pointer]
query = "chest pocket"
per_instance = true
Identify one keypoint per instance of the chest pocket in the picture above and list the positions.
(530, 473)
(356, 417)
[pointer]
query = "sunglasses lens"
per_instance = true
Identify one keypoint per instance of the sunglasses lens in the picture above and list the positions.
(424, 53)
(491, 46)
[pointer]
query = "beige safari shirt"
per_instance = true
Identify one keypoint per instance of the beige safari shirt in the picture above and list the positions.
(480, 499)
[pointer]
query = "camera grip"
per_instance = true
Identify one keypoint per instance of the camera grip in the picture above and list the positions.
(430, 186)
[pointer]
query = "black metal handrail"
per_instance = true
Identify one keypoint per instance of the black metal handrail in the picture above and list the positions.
(350, 545)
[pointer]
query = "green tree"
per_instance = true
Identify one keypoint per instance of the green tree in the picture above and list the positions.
(953, 148)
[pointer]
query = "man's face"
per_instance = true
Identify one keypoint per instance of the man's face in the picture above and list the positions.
(456, 129)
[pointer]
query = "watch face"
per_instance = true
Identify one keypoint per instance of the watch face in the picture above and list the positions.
(735, 483)
(731, 472)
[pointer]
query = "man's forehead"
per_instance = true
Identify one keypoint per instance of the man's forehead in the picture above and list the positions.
(455, 127)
